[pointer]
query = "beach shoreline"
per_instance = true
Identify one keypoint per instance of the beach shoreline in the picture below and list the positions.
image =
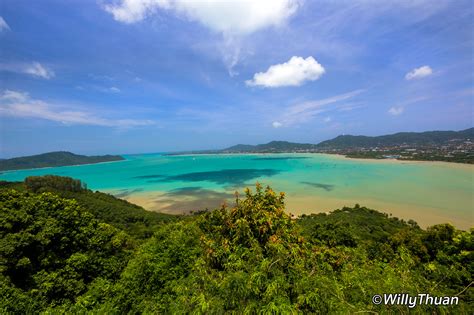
(425, 216)
(408, 162)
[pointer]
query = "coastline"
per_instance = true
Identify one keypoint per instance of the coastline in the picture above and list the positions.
(47, 167)
(343, 157)
(428, 205)
(298, 205)
(396, 161)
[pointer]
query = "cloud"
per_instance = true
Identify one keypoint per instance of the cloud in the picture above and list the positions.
(400, 108)
(238, 17)
(316, 105)
(303, 112)
(3, 25)
(38, 70)
(113, 89)
(395, 111)
(419, 73)
(230, 50)
(294, 72)
(103, 89)
(327, 119)
(351, 106)
(19, 104)
(34, 68)
(231, 19)
(277, 124)
(14, 96)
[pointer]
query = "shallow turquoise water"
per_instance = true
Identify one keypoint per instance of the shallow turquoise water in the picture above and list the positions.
(176, 183)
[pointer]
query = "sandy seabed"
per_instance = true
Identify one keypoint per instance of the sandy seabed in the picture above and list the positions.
(424, 216)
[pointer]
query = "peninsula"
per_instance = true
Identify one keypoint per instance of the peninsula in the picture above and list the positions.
(54, 159)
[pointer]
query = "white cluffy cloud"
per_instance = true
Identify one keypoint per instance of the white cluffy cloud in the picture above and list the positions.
(19, 104)
(277, 124)
(395, 111)
(3, 25)
(294, 72)
(419, 73)
(231, 17)
(38, 70)
(232, 20)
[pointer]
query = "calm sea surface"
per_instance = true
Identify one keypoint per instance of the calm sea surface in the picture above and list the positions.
(427, 192)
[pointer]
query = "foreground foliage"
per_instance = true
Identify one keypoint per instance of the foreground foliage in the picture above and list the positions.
(51, 250)
(133, 219)
(56, 257)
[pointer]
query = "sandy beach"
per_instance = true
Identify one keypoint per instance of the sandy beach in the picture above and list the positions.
(298, 205)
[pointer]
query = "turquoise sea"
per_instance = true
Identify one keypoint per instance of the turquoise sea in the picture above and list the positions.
(428, 192)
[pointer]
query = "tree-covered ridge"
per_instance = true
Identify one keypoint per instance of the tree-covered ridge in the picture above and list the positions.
(120, 213)
(352, 226)
(352, 142)
(52, 250)
(54, 159)
(349, 141)
(397, 139)
(448, 146)
(249, 258)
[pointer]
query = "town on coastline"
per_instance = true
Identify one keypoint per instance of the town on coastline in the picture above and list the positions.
(455, 150)
(447, 146)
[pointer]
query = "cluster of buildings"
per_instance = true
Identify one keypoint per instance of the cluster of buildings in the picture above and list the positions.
(453, 150)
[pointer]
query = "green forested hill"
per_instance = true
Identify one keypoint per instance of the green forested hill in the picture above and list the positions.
(126, 216)
(434, 139)
(54, 159)
(349, 141)
(410, 138)
(60, 255)
(353, 142)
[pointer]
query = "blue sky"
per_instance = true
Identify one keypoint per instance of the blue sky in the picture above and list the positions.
(132, 76)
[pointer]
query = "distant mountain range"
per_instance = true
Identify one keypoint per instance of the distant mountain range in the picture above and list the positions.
(408, 138)
(353, 142)
(338, 144)
(54, 159)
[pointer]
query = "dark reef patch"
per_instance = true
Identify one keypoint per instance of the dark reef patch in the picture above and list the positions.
(233, 177)
(326, 187)
(185, 191)
(188, 199)
(197, 192)
(279, 158)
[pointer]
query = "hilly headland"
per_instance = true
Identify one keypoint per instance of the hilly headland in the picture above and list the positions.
(54, 159)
